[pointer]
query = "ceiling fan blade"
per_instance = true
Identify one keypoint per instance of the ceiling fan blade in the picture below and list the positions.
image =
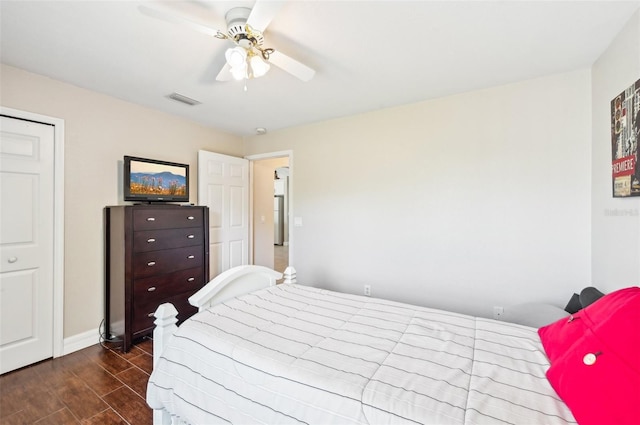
(170, 16)
(292, 66)
(262, 14)
(225, 73)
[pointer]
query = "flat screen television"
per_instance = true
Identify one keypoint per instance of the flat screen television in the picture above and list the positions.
(151, 180)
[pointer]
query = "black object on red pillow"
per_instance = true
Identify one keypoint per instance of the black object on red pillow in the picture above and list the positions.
(589, 295)
(595, 359)
(573, 306)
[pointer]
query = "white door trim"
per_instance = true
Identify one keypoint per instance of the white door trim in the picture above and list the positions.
(271, 155)
(58, 220)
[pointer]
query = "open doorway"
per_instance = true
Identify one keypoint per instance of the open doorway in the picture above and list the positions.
(271, 209)
(281, 218)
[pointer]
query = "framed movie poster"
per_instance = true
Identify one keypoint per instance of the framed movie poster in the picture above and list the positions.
(625, 135)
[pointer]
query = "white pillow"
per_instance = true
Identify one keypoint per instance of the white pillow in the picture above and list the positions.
(533, 314)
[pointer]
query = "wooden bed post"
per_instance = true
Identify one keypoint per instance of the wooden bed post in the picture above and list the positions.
(290, 275)
(166, 319)
(165, 327)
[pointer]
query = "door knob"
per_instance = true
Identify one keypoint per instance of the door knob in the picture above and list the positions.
(12, 259)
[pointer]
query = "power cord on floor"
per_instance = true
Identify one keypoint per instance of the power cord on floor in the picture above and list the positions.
(104, 338)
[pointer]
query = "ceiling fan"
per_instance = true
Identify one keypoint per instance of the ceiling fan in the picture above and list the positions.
(248, 58)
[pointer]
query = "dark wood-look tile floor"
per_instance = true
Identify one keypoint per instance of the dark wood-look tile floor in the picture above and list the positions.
(93, 386)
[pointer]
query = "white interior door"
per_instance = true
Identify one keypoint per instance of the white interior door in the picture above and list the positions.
(223, 186)
(26, 242)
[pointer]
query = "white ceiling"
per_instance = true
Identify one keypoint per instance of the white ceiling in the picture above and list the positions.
(367, 54)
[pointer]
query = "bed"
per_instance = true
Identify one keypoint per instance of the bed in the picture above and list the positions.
(261, 352)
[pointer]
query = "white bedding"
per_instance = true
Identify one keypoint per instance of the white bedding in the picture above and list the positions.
(295, 354)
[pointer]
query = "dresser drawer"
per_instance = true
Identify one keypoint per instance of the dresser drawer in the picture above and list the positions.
(166, 285)
(167, 218)
(154, 263)
(152, 240)
(143, 314)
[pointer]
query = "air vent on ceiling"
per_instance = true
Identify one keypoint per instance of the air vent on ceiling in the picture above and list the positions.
(184, 99)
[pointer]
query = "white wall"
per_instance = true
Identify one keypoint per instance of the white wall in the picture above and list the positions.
(463, 202)
(100, 130)
(616, 221)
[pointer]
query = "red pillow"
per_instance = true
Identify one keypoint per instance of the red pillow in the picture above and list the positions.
(595, 359)
(559, 336)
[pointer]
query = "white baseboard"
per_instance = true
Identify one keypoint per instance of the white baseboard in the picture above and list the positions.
(80, 341)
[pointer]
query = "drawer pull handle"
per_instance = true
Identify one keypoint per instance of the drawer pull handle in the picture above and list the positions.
(151, 289)
(190, 217)
(151, 219)
(191, 279)
(190, 236)
(150, 315)
(151, 263)
(151, 240)
(191, 257)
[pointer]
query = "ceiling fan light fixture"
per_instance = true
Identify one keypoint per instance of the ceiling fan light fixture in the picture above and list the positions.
(236, 56)
(239, 72)
(258, 66)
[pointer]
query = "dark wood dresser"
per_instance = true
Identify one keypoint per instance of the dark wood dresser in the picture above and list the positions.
(153, 254)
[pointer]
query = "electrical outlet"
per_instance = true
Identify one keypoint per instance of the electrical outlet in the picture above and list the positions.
(367, 290)
(498, 312)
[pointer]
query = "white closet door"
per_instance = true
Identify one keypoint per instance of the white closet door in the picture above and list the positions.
(26, 242)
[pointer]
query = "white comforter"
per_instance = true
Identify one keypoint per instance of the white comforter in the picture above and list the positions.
(295, 354)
